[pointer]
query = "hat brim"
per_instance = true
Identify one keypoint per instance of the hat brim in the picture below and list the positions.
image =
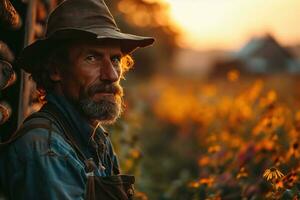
(128, 43)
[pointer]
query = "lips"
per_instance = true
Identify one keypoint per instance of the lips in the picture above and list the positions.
(104, 96)
(104, 89)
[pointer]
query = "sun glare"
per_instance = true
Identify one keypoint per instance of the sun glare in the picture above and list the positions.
(227, 24)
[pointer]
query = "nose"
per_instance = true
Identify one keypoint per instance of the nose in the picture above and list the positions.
(108, 72)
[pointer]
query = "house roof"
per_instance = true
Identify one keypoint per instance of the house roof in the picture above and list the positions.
(257, 45)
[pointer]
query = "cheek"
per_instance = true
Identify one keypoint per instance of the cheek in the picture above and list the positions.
(70, 87)
(73, 83)
(84, 75)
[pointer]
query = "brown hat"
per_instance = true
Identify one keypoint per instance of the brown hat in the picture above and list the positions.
(76, 19)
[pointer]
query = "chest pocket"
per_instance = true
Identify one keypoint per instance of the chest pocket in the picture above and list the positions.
(118, 187)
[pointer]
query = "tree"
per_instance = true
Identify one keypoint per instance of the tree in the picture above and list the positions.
(149, 18)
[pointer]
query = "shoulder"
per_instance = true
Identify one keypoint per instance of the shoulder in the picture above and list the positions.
(38, 137)
(41, 151)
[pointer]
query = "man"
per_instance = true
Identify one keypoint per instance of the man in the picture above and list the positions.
(61, 152)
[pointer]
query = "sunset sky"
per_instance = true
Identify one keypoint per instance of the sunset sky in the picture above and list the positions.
(228, 24)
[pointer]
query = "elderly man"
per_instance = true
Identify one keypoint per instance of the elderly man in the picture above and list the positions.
(62, 152)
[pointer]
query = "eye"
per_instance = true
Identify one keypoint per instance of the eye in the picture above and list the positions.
(90, 58)
(116, 60)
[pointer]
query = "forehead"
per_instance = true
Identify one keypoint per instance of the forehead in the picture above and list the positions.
(102, 46)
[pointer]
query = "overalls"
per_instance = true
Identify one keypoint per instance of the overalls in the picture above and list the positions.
(115, 187)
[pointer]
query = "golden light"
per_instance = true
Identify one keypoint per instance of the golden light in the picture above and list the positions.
(227, 24)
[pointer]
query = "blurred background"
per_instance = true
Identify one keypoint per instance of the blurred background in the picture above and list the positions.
(212, 108)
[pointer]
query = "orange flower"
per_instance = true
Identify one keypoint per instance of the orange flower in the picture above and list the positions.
(140, 196)
(279, 185)
(272, 174)
(214, 149)
(207, 181)
(233, 75)
(204, 161)
(194, 184)
(203, 181)
(242, 173)
(135, 154)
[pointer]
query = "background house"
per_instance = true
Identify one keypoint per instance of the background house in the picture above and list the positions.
(261, 55)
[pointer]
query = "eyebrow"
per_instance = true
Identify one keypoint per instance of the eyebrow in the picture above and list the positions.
(100, 53)
(94, 52)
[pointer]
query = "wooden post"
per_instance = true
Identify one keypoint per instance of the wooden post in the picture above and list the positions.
(25, 83)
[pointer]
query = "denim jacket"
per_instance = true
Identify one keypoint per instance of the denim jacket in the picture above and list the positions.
(29, 171)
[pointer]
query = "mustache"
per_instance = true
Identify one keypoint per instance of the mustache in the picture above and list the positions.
(105, 88)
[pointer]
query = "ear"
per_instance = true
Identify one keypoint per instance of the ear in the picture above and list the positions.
(55, 74)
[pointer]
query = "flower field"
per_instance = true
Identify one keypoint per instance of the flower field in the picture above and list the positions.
(232, 137)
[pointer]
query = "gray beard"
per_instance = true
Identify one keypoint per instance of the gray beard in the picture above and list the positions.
(104, 111)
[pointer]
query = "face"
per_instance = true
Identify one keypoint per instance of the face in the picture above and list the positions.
(92, 81)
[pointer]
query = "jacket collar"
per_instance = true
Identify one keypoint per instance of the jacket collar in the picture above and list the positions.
(83, 130)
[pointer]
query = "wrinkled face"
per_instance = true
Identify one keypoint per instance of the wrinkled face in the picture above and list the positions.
(92, 81)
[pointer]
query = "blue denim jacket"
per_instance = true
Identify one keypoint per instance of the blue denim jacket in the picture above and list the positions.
(28, 171)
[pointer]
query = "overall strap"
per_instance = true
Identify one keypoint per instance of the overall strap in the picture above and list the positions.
(25, 127)
(53, 116)
(20, 132)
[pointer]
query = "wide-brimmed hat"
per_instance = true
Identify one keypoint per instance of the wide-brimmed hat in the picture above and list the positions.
(74, 19)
